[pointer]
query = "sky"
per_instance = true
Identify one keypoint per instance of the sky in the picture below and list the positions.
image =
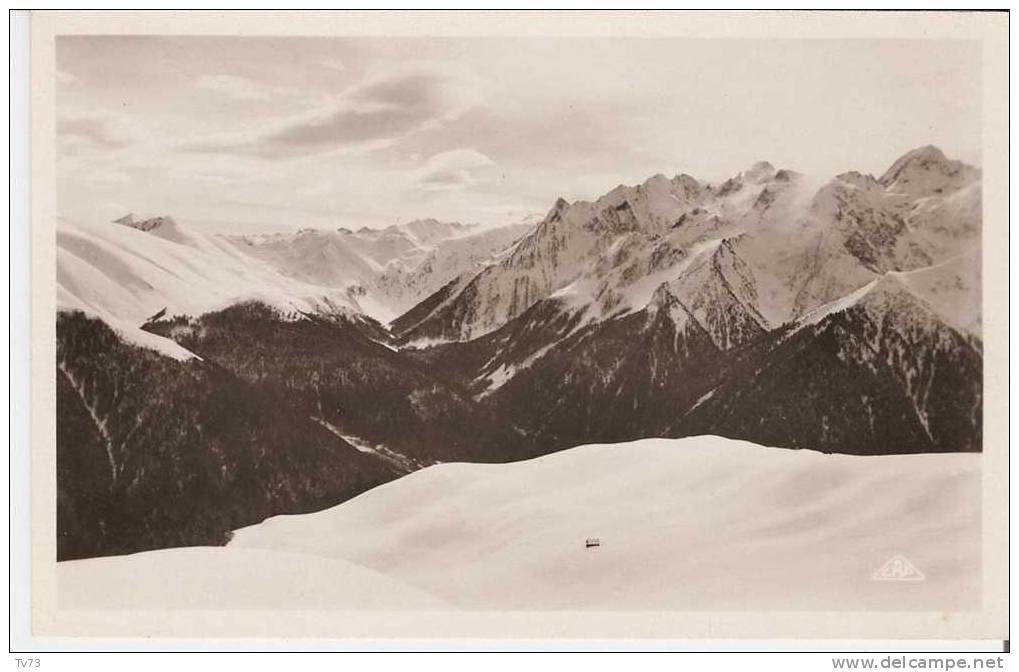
(236, 134)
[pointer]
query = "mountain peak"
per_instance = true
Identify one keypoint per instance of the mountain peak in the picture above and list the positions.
(148, 224)
(921, 157)
(657, 178)
(558, 208)
(760, 171)
(925, 153)
(787, 175)
(428, 231)
(926, 171)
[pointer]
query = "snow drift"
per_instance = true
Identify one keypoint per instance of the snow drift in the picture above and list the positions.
(229, 578)
(696, 523)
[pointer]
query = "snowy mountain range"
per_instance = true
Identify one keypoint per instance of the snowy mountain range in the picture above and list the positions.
(129, 272)
(780, 243)
(838, 315)
(390, 270)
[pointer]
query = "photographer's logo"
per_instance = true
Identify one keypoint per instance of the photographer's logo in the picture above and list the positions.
(898, 568)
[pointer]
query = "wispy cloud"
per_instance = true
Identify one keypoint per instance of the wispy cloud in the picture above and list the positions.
(231, 86)
(96, 130)
(377, 112)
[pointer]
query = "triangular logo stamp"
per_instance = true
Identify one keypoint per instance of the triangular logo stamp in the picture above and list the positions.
(898, 568)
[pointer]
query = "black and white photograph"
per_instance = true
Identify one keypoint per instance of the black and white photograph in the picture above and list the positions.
(523, 323)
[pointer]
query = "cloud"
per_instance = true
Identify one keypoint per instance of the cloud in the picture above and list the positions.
(231, 86)
(375, 113)
(453, 169)
(97, 131)
(333, 64)
(109, 176)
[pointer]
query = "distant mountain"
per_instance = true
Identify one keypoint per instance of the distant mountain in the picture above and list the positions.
(926, 171)
(125, 275)
(843, 317)
(144, 224)
(799, 246)
(128, 272)
(392, 268)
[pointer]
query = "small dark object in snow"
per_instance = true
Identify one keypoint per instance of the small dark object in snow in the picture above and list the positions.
(590, 543)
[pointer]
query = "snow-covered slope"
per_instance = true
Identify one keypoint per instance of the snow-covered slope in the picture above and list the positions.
(953, 289)
(133, 274)
(695, 523)
(230, 578)
(125, 275)
(129, 270)
(926, 171)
